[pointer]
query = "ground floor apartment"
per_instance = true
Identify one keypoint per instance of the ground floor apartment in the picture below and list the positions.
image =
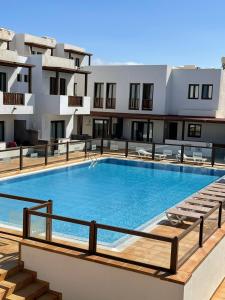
(49, 127)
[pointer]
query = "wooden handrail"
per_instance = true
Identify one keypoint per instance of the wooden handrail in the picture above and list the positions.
(13, 99)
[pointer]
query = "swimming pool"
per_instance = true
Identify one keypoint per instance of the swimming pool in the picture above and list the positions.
(115, 192)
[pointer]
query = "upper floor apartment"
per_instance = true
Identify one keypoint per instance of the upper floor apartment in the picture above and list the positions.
(158, 90)
(56, 77)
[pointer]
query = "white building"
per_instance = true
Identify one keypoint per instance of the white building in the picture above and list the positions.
(154, 103)
(49, 91)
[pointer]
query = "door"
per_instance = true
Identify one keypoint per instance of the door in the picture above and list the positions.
(100, 128)
(141, 131)
(2, 131)
(3, 82)
(57, 129)
(62, 86)
(173, 131)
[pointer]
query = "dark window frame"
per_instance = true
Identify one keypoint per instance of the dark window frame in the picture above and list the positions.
(63, 128)
(77, 62)
(194, 133)
(150, 125)
(110, 99)
(26, 78)
(52, 85)
(62, 86)
(19, 77)
(207, 85)
(98, 101)
(147, 103)
(136, 99)
(105, 122)
(2, 138)
(4, 83)
(189, 91)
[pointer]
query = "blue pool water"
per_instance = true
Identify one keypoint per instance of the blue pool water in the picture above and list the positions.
(115, 192)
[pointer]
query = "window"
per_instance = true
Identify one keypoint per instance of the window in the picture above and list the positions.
(77, 62)
(53, 86)
(57, 129)
(147, 98)
(111, 95)
(100, 128)
(141, 131)
(194, 130)
(98, 95)
(75, 89)
(26, 78)
(134, 96)
(2, 131)
(207, 91)
(19, 77)
(193, 91)
(62, 86)
(3, 82)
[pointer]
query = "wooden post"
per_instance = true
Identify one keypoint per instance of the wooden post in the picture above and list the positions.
(182, 154)
(213, 156)
(26, 224)
(21, 158)
(126, 148)
(49, 222)
(93, 238)
(85, 84)
(174, 255)
(30, 80)
(102, 146)
(201, 232)
(85, 149)
(67, 151)
(220, 215)
(46, 154)
(153, 151)
(57, 83)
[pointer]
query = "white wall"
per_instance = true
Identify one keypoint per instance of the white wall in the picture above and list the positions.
(84, 280)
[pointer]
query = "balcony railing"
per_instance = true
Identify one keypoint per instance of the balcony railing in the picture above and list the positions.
(75, 101)
(13, 99)
(134, 104)
(147, 104)
(98, 103)
(110, 103)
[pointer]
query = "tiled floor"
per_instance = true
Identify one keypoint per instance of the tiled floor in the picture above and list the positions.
(220, 292)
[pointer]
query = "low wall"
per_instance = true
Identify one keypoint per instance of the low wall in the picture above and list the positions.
(85, 280)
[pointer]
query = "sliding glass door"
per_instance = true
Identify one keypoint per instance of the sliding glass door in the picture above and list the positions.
(141, 131)
(100, 128)
(57, 129)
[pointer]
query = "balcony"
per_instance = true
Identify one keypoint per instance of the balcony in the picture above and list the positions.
(134, 104)
(110, 103)
(13, 99)
(16, 103)
(98, 103)
(64, 105)
(75, 101)
(147, 104)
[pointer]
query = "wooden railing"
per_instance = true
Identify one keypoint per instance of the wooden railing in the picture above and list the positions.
(110, 103)
(98, 102)
(147, 104)
(13, 99)
(75, 101)
(134, 104)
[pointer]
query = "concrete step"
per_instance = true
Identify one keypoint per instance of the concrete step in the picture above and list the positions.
(50, 296)
(9, 269)
(17, 281)
(31, 291)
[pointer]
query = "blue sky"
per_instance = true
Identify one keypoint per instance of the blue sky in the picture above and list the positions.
(175, 32)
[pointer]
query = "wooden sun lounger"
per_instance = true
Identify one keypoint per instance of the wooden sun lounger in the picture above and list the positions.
(184, 213)
(211, 198)
(212, 193)
(202, 202)
(215, 189)
(218, 185)
(196, 208)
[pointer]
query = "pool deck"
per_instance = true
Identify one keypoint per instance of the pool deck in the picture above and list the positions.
(148, 250)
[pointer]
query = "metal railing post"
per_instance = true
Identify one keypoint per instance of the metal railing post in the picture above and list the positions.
(126, 148)
(93, 238)
(85, 149)
(49, 222)
(174, 255)
(153, 151)
(67, 151)
(201, 231)
(46, 154)
(182, 154)
(213, 156)
(21, 158)
(102, 146)
(26, 223)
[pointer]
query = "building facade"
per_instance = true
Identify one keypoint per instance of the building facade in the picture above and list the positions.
(50, 91)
